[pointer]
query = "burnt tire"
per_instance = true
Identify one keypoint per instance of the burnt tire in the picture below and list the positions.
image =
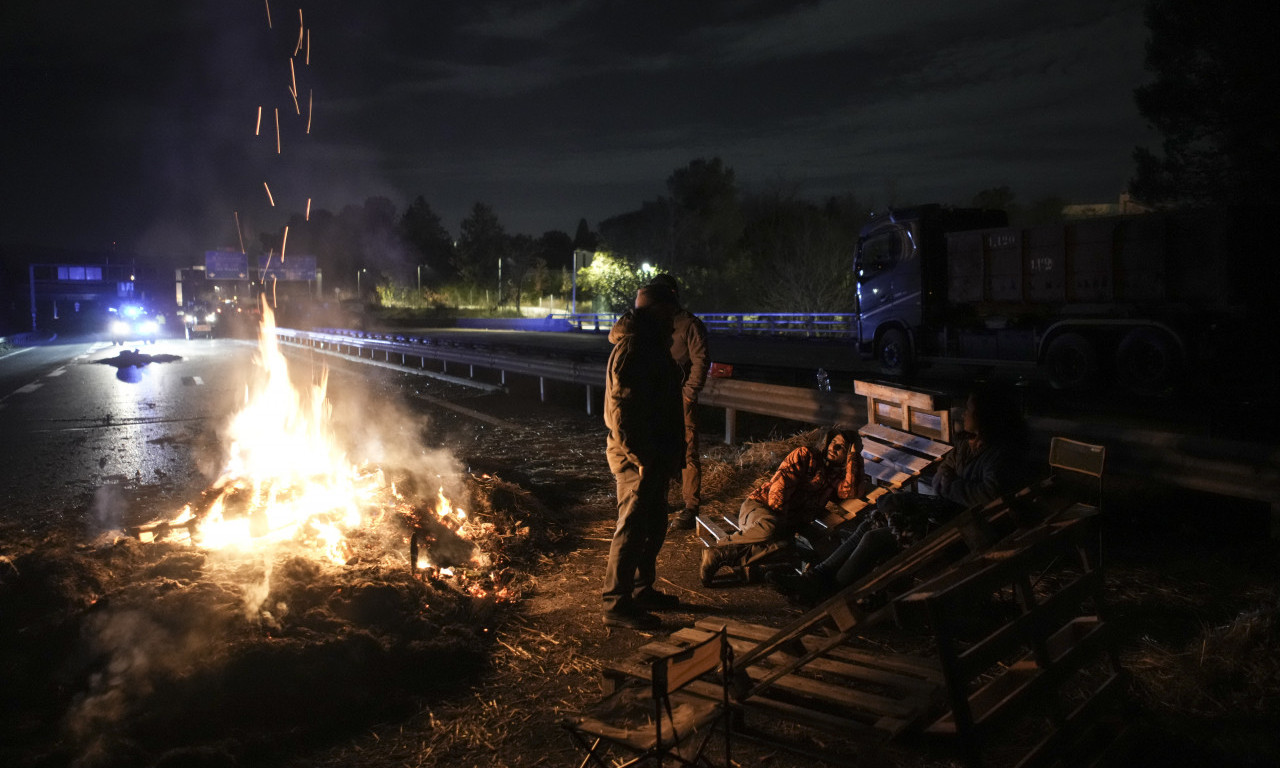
(1071, 362)
(894, 353)
(1148, 361)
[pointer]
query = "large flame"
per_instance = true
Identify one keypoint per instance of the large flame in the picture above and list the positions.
(286, 481)
(285, 478)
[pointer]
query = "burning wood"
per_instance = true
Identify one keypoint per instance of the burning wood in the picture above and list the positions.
(286, 483)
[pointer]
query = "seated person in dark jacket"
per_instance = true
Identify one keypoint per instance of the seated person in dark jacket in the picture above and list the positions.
(988, 460)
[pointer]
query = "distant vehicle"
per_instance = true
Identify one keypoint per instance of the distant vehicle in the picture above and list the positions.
(132, 323)
(200, 322)
(1138, 299)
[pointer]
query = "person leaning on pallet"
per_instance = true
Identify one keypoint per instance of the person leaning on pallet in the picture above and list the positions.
(645, 449)
(809, 477)
(990, 459)
(689, 348)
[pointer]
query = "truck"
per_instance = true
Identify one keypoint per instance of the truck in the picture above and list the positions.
(1135, 300)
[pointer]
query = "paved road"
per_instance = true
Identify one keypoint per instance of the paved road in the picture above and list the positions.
(72, 423)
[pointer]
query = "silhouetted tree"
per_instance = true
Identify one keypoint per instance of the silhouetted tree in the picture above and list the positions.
(584, 239)
(800, 258)
(481, 244)
(556, 248)
(997, 199)
(1214, 103)
(642, 235)
(707, 219)
(425, 235)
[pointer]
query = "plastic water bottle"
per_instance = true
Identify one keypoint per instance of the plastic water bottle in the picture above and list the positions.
(824, 381)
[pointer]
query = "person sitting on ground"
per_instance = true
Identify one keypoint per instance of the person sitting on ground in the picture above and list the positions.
(806, 480)
(988, 461)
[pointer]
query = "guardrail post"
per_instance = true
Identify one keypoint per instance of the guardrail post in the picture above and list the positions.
(730, 426)
(590, 392)
(471, 371)
(542, 388)
(502, 377)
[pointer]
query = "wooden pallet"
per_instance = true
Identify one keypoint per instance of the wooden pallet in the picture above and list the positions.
(806, 674)
(865, 696)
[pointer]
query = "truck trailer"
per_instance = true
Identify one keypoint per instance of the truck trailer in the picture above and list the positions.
(1134, 300)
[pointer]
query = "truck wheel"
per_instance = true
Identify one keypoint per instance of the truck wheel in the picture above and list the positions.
(1071, 362)
(893, 352)
(1148, 361)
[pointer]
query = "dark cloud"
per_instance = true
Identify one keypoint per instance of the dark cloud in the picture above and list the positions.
(138, 126)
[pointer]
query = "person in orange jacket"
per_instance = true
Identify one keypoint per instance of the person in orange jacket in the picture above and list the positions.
(807, 479)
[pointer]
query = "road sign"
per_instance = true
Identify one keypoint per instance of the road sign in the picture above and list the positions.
(225, 265)
(297, 268)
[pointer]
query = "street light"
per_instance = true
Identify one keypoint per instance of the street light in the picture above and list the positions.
(419, 278)
(358, 273)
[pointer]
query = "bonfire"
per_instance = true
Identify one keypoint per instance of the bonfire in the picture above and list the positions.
(287, 483)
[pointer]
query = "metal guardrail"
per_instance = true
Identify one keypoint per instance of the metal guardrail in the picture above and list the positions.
(803, 405)
(1230, 468)
(809, 324)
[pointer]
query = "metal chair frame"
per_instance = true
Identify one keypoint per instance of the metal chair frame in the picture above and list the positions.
(669, 676)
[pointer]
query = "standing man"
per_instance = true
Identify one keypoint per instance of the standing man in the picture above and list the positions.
(645, 450)
(689, 349)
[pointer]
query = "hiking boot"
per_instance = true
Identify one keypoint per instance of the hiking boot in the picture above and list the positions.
(684, 520)
(804, 588)
(631, 617)
(712, 560)
(651, 599)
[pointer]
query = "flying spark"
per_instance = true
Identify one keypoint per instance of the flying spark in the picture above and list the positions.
(257, 127)
(270, 199)
(277, 130)
(268, 2)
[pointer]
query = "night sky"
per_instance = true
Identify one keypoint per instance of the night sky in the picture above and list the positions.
(133, 123)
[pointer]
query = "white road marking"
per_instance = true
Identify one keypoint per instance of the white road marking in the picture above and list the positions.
(32, 387)
(16, 352)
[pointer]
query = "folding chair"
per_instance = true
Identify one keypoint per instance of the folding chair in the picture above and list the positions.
(660, 719)
(1080, 466)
